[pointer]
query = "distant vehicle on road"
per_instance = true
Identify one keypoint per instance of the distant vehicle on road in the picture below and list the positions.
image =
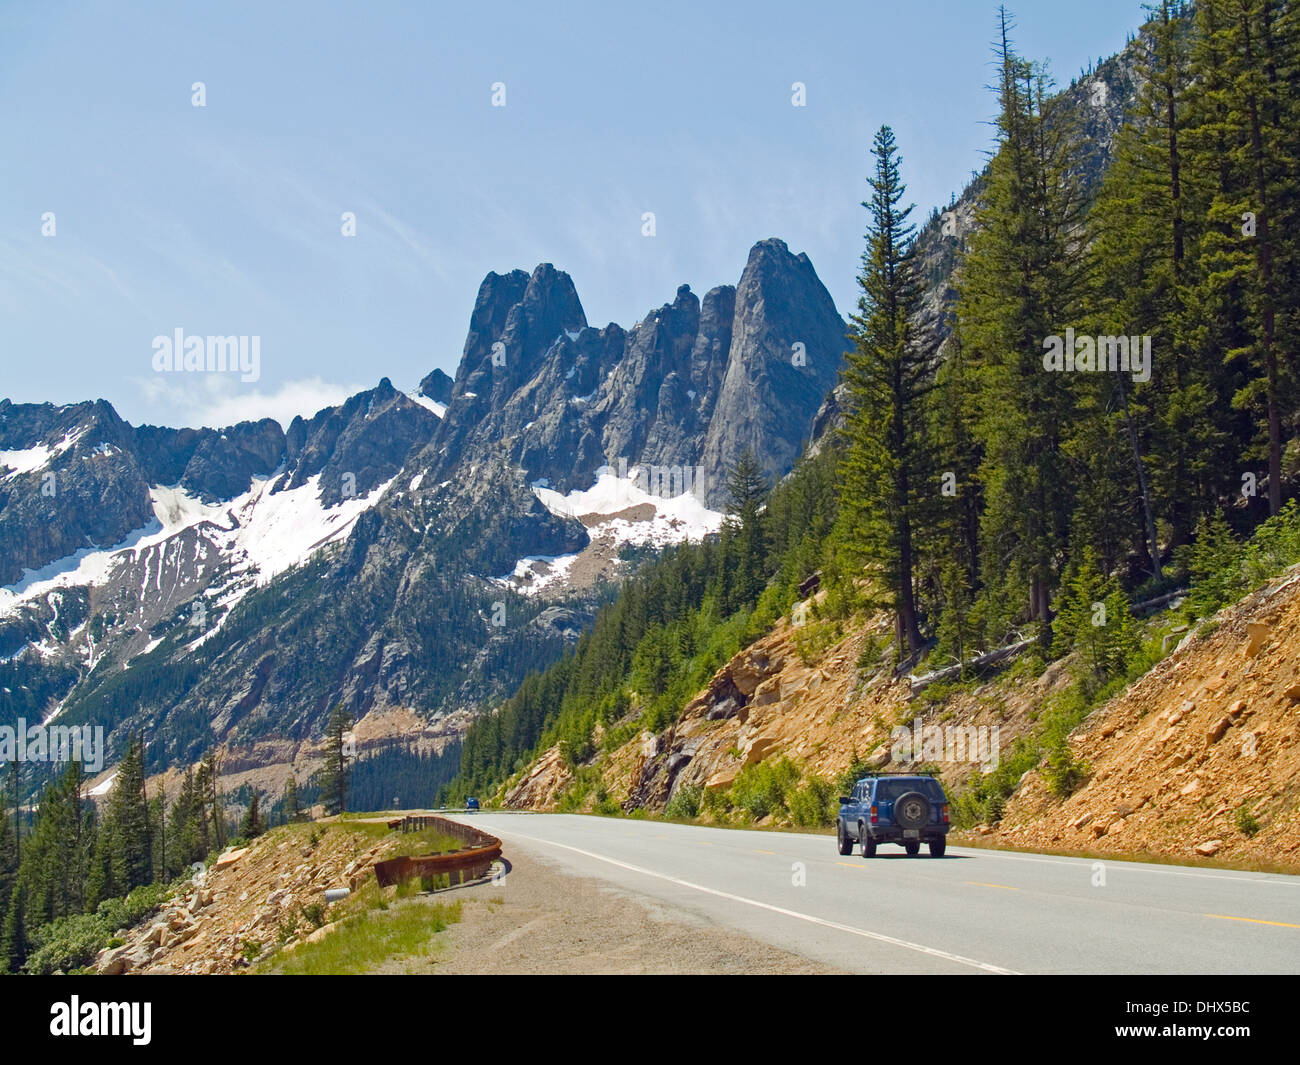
(471, 804)
(893, 808)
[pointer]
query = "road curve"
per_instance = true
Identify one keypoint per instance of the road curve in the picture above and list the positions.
(973, 911)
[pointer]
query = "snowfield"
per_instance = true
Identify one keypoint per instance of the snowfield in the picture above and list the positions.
(28, 460)
(258, 532)
(604, 509)
(683, 517)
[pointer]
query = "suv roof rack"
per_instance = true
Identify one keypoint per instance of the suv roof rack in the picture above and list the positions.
(913, 773)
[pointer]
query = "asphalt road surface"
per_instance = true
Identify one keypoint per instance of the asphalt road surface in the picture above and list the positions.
(972, 911)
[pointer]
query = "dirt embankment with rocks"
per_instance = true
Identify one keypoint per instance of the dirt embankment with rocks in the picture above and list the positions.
(1200, 759)
(263, 895)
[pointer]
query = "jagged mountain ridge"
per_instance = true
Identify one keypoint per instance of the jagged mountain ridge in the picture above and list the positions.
(693, 384)
(217, 617)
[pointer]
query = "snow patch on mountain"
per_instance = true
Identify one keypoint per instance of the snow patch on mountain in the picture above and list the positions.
(257, 532)
(28, 460)
(534, 573)
(618, 507)
(429, 404)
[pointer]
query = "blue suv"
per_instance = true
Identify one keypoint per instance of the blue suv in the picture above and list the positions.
(907, 810)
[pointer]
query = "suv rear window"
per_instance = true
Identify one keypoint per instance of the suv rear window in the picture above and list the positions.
(889, 790)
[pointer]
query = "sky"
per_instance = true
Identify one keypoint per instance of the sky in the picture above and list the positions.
(128, 213)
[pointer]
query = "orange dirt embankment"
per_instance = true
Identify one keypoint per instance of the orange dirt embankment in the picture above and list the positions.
(1210, 731)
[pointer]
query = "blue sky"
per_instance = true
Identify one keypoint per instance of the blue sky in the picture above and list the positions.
(226, 219)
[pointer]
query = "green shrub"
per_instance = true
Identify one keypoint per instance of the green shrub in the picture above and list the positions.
(685, 803)
(1064, 773)
(815, 804)
(72, 942)
(1247, 823)
(65, 944)
(764, 788)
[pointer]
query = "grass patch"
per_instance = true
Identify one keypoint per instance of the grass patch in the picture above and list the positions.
(365, 941)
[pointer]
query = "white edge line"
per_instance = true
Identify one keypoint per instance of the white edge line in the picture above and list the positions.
(1285, 879)
(878, 936)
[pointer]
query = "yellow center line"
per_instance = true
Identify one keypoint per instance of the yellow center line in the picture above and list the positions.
(981, 883)
(757, 851)
(852, 865)
(1251, 920)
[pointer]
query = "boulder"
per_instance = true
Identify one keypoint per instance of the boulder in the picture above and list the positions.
(721, 779)
(759, 747)
(321, 932)
(1256, 636)
(1209, 848)
(114, 961)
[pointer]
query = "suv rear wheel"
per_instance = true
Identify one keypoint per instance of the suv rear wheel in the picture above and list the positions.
(937, 847)
(842, 838)
(868, 844)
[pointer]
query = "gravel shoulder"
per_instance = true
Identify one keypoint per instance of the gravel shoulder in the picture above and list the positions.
(540, 920)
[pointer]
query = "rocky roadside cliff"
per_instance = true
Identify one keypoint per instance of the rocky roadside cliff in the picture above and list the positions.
(1199, 759)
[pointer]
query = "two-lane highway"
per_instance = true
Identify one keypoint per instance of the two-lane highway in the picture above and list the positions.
(973, 911)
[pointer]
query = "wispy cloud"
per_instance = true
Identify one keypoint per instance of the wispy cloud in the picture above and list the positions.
(216, 402)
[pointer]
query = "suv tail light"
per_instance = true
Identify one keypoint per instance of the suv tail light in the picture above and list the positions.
(874, 812)
(944, 811)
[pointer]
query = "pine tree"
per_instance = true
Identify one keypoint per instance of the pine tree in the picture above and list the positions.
(211, 803)
(57, 854)
(888, 487)
(1021, 283)
(13, 939)
(955, 632)
(744, 532)
(1243, 148)
(1141, 257)
(1093, 618)
(188, 829)
(292, 804)
(252, 826)
(334, 773)
(125, 836)
(158, 831)
(9, 853)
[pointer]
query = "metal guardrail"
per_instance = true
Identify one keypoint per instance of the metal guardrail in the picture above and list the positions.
(471, 862)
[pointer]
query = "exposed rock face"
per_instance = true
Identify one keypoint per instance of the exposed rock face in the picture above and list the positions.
(89, 489)
(359, 445)
(437, 387)
(692, 385)
(259, 895)
(787, 347)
